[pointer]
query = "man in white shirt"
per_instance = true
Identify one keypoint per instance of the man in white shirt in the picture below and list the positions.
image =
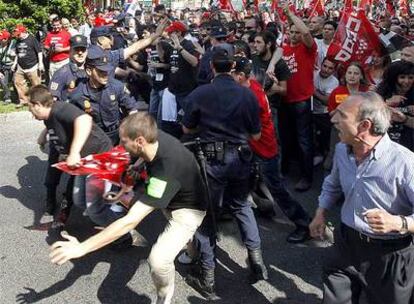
(325, 82)
(328, 32)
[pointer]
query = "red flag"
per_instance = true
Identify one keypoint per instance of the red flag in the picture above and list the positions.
(356, 39)
(108, 165)
(404, 7)
(226, 5)
(317, 8)
(347, 4)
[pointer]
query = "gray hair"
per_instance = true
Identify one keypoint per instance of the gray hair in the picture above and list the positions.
(376, 110)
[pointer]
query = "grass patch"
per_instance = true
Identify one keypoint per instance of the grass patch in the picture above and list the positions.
(10, 107)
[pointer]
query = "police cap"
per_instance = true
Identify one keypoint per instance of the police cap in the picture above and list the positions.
(78, 41)
(101, 31)
(98, 59)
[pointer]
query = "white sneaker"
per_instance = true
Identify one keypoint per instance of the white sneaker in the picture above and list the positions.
(317, 160)
(185, 259)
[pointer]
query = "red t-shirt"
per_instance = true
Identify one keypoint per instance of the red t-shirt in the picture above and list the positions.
(339, 94)
(301, 63)
(266, 146)
(60, 40)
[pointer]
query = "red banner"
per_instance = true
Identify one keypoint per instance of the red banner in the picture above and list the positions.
(404, 7)
(317, 8)
(108, 165)
(355, 39)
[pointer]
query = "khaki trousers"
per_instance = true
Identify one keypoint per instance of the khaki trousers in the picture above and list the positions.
(181, 226)
(20, 82)
(54, 66)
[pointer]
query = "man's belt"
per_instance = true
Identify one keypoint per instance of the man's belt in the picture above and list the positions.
(400, 242)
(216, 150)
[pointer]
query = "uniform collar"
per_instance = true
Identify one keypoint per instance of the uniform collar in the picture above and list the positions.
(224, 77)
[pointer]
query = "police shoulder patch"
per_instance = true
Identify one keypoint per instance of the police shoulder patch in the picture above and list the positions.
(156, 187)
(72, 84)
(54, 86)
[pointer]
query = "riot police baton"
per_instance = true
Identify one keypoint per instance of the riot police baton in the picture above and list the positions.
(202, 164)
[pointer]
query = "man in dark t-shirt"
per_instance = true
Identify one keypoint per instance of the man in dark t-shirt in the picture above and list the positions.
(174, 186)
(28, 63)
(71, 131)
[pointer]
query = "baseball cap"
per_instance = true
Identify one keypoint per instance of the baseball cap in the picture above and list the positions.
(243, 64)
(97, 58)
(4, 35)
(176, 26)
(101, 31)
(19, 29)
(218, 32)
(78, 41)
(221, 54)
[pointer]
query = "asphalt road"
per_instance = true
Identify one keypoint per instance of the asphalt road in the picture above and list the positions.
(27, 276)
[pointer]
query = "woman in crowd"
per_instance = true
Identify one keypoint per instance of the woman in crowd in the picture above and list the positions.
(398, 92)
(353, 82)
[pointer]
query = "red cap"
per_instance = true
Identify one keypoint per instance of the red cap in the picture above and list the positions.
(176, 26)
(20, 28)
(5, 35)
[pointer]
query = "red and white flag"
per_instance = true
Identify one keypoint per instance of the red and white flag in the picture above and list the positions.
(317, 8)
(109, 165)
(404, 7)
(355, 39)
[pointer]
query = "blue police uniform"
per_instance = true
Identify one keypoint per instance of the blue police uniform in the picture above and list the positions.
(226, 115)
(65, 80)
(106, 105)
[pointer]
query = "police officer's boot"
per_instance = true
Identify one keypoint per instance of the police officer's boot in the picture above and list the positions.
(204, 283)
(257, 266)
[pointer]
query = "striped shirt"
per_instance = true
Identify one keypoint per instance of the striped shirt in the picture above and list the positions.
(384, 180)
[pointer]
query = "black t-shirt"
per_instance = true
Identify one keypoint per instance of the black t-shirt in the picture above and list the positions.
(185, 79)
(174, 178)
(398, 132)
(60, 126)
(160, 76)
(27, 51)
(281, 71)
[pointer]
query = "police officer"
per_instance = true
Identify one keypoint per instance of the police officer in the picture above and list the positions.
(227, 116)
(102, 36)
(66, 78)
(103, 97)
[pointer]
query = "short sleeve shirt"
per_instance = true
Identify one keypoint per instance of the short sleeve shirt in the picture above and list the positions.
(60, 126)
(174, 178)
(27, 51)
(301, 63)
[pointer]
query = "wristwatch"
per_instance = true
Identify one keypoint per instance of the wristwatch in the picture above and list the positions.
(404, 225)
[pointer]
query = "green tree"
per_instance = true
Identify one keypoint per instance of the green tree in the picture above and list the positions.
(33, 13)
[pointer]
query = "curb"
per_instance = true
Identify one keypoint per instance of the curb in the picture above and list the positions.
(16, 116)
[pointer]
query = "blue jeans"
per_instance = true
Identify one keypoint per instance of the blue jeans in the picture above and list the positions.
(155, 104)
(229, 184)
(272, 177)
(296, 124)
(87, 195)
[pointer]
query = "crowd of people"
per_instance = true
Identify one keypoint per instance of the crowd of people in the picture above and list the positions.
(258, 90)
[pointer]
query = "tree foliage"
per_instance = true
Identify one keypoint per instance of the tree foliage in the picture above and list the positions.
(33, 13)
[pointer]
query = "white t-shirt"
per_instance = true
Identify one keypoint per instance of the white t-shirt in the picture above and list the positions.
(324, 86)
(322, 51)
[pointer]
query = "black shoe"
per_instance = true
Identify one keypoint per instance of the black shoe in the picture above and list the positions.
(257, 266)
(303, 185)
(300, 235)
(203, 282)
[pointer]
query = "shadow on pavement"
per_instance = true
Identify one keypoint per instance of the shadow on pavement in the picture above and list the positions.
(30, 181)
